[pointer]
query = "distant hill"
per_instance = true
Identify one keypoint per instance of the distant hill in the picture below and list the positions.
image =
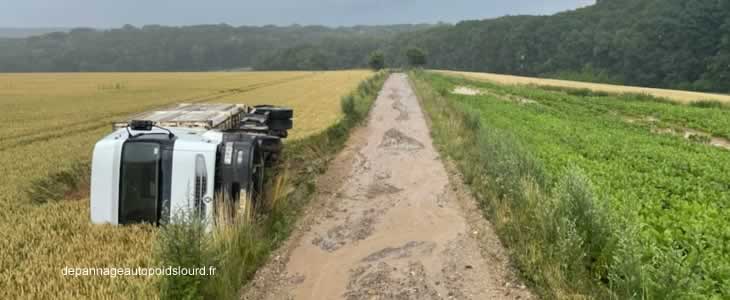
(27, 32)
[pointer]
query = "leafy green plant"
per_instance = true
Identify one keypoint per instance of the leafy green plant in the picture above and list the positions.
(376, 60)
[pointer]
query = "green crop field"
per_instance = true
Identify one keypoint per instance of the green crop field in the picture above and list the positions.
(658, 167)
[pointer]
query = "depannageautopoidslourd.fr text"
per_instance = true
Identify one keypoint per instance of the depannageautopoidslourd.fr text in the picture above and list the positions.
(139, 271)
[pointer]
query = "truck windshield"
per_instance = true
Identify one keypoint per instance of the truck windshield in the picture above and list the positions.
(139, 183)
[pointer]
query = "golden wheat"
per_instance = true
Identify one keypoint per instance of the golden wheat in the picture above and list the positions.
(48, 121)
(675, 95)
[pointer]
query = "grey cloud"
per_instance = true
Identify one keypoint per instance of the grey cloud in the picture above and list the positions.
(114, 13)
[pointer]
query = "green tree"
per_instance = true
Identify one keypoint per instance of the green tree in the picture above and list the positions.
(376, 60)
(416, 57)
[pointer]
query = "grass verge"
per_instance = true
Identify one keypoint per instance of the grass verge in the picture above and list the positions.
(238, 250)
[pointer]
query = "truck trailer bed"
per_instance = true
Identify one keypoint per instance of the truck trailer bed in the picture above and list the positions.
(208, 116)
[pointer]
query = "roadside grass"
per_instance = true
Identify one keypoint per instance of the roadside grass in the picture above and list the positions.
(237, 250)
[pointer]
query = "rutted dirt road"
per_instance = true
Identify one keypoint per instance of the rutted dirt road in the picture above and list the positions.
(387, 223)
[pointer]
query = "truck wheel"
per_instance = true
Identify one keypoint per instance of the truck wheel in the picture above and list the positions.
(275, 112)
(280, 124)
(271, 144)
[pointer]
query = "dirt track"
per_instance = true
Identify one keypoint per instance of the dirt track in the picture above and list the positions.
(387, 223)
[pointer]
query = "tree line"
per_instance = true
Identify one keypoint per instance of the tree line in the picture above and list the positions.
(663, 43)
(197, 48)
(681, 44)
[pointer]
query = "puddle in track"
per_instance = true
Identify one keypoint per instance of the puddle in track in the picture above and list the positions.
(401, 252)
(397, 140)
(351, 230)
(402, 111)
(380, 188)
(393, 94)
(383, 281)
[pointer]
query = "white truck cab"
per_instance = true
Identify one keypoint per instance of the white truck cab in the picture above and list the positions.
(182, 160)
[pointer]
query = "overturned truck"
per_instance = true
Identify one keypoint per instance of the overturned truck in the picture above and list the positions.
(199, 159)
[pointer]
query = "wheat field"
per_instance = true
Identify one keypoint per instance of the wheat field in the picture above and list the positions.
(675, 95)
(48, 122)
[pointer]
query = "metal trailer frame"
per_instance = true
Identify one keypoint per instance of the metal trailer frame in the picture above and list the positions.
(189, 115)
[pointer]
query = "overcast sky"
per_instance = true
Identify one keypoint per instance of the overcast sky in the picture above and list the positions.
(114, 13)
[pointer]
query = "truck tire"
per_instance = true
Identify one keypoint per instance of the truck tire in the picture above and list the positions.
(271, 144)
(280, 124)
(275, 112)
